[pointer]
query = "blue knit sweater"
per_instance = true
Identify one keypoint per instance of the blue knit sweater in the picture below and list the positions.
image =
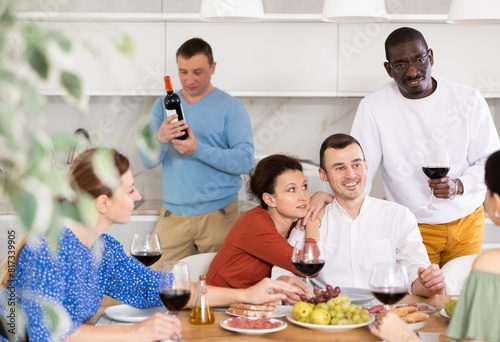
(210, 178)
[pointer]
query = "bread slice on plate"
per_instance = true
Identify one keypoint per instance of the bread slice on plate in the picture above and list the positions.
(252, 310)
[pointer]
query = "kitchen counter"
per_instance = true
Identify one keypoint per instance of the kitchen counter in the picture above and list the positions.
(148, 207)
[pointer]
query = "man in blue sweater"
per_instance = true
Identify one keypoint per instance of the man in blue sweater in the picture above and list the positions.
(201, 174)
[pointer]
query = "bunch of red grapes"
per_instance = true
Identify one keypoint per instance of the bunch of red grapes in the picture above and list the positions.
(321, 296)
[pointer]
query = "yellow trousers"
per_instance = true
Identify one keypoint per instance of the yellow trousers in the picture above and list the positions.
(182, 235)
(448, 241)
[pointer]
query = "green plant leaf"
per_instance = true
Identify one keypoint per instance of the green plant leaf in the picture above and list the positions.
(103, 164)
(87, 209)
(72, 84)
(57, 317)
(41, 152)
(126, 46)
(38, 60)
(6, 14)
(61, 40)
(33, 35)
(146, 140)
(34, 204)
(26, 209)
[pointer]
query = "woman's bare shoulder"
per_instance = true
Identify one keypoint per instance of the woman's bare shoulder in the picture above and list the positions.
(488, 261)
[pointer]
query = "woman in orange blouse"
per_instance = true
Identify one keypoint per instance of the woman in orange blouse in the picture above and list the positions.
(257, 241)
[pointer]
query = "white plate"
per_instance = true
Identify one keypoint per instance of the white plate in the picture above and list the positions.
(253, 331)
(330, 327)
(416, 326)
(127, 313)
(444, 314)
(357, 295)
(281, 311)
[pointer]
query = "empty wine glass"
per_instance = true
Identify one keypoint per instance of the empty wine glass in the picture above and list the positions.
(174, 287)
(308, 259)
(435, 166)
(146, 248)
(389, 283)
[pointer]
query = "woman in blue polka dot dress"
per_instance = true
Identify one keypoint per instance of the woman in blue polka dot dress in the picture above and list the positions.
(89, 264)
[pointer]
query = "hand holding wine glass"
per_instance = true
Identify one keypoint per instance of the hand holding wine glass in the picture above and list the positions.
(174, 287)
(146, 248)
(436, 166)
(389, 283)
(308, 259)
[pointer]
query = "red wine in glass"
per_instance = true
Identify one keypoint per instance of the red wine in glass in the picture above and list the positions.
(174, 287)
(389, 295)
(146, 248)
(434, 172)
(389, 282)
(436, 165)
(174, 300)
(309, 268)
(308, 259)
(147, 258)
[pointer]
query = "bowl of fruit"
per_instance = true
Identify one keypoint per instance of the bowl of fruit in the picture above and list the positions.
(329, 310)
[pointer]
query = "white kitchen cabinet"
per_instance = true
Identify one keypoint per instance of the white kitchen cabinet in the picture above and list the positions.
(106, 71)
(264, 58)
(287, 55)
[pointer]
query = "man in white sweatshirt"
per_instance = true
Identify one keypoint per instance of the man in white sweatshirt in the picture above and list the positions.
(359, 231)
(410, 119)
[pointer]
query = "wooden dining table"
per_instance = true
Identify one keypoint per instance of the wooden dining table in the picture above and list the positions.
(436, 323)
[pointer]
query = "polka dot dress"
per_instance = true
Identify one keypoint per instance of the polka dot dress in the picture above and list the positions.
(75, 279)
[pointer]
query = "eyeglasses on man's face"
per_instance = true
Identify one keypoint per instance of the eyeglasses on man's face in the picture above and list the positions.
(418, 63)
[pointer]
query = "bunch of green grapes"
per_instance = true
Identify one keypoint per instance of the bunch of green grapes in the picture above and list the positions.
(343, 312)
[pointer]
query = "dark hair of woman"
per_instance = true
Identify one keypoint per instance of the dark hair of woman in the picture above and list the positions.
(492, 173)
(264, 175)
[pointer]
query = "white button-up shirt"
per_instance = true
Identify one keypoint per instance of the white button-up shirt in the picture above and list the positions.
(383, 232)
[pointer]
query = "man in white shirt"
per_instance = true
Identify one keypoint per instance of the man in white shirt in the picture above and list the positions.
(411, 118)
(359, 231)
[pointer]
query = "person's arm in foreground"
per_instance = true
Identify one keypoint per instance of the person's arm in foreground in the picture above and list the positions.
(394, 329)
(157, 327)
(257, 294)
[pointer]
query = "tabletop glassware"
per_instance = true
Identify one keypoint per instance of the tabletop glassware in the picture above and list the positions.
(308, 259)
(174, 287)
(436, 165)
(389, 283)
(146, 248)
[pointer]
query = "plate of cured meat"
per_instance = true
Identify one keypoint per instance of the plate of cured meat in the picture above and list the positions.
(253, 325)
(421, 307)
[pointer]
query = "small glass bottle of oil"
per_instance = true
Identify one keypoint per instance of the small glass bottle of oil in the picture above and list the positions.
(202, 312)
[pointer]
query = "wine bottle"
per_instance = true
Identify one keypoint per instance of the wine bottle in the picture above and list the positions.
(173, 105)
(202, 312)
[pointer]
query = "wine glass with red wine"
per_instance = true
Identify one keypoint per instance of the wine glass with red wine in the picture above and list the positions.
(308, 259)
(146, 248)
(436, 166)
(174, 287)
(389, 283)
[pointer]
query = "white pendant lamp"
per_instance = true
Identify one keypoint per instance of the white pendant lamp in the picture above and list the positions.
(474, 12)
(232, 10)
(343, 11)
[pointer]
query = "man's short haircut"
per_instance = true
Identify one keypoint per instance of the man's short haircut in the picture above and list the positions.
(195, 46)
(403, 35)
(337, 141)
